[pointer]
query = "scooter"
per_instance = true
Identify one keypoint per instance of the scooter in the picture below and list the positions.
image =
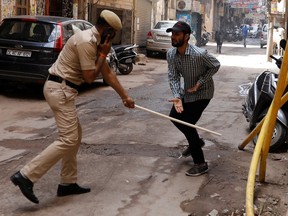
(204, 38)
(125, 58)
(229, 35)
(257, 103)
(112, 60)
(236, 34)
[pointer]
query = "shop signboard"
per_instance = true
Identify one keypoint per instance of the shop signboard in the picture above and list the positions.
(196, 7)
(244, 3)
(186, 17)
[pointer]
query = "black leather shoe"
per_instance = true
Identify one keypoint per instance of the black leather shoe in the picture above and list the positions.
(65, 190)
(25, 185)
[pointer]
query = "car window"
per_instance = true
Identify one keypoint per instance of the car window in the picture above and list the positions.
(254, 28)
(26, 31)
(67, 32)
(87, 26)
(163, 25)
(77, 26)
(55, 34)
(72, 28)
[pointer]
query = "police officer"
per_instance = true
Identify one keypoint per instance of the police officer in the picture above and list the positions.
(81, 60)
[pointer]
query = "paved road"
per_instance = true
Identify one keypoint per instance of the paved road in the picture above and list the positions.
(128, 157)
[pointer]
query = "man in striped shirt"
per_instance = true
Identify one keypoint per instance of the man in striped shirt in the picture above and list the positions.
(196, 67)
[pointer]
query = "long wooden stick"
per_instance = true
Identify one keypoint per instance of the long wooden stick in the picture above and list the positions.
(177, 120)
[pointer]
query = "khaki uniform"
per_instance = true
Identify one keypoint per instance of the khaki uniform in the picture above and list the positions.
(79, 53)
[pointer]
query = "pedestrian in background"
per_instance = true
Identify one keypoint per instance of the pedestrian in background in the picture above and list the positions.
(81, 60)
(196, 66)
(219, 41)
(245, 30)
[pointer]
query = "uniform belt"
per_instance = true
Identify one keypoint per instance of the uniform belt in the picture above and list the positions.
(60, 80)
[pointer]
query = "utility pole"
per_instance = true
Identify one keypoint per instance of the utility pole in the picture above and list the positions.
(286, 18)
(166, 9)
(80, 9)
(270, 31)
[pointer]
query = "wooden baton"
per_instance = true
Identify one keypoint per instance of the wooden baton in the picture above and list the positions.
(177, 120)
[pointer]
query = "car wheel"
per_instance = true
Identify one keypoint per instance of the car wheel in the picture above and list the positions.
(279, 138)
(149, 53)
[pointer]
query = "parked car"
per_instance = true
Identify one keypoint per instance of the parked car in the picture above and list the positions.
(29, 45)
(254, 31)
(264, 36)
(158, 40)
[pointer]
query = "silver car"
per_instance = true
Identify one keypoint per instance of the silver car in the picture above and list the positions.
(263, 36)
(158, 40)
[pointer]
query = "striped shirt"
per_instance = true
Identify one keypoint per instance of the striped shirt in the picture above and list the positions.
(196, 65)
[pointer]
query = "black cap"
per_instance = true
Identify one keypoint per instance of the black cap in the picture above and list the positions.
(180, 26)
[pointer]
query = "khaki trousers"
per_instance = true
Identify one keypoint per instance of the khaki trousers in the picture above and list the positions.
(61, 99)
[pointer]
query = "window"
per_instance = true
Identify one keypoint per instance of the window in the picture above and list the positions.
(26, 31)
(68, 32)
(164, 25)
(88, 26)
(22, 7)
(77, 26)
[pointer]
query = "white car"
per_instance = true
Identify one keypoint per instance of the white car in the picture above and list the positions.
(264, 36)
(253, 30)
(158, 40)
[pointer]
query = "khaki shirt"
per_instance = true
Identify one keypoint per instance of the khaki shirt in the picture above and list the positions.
(79, 53)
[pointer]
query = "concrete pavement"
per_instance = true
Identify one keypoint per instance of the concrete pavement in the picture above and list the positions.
(129, 157)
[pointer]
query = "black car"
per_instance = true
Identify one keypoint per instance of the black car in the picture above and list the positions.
(29, 45)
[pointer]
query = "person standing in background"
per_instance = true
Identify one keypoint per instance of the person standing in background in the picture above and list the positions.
(219, 41)
(245, 30)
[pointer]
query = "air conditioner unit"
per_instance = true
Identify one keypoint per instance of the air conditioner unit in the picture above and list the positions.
(184, 5)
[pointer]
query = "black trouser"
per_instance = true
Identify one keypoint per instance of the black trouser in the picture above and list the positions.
(191, 114)
(219, 46)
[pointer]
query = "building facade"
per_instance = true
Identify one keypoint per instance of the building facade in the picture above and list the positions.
(83, 9)
(36, 7)
(148, 13)
(139, 16)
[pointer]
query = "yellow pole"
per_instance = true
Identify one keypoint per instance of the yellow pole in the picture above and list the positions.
(265, 136)
(276, 103)
(252, 134)
(256, 130)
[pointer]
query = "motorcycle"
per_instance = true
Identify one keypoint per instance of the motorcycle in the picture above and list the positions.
(237, 34)
(204, 38)
(229, 35)
(257, 103)
(123, 58)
